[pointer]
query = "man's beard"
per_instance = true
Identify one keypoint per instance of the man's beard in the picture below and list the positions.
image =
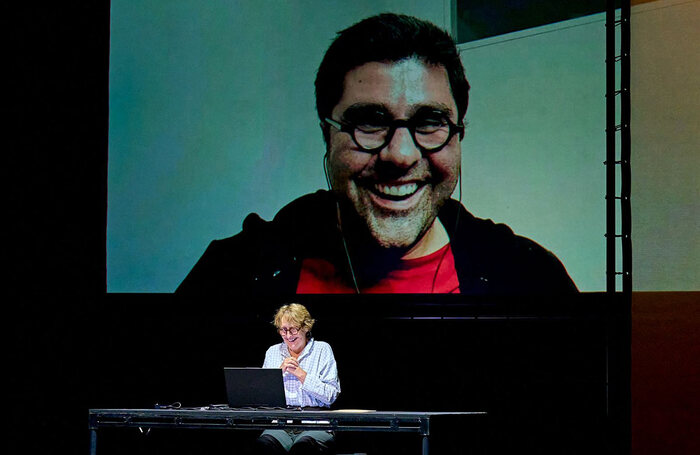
(390, 229)
(398, 230)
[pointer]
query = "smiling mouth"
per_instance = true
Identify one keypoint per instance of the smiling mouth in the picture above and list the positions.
(395, 192)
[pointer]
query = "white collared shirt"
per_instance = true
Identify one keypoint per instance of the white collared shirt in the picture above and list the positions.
(321, 385)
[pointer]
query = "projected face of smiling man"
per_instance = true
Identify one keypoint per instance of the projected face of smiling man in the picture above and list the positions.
(391, 98)
(398, 190)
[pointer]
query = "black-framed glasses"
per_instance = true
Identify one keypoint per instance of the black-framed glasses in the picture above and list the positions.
(429, 134)
(291, 331)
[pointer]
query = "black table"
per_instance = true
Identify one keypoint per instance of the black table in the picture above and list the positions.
(258, 419)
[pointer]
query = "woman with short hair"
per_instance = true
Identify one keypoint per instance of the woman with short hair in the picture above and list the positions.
(310, 380)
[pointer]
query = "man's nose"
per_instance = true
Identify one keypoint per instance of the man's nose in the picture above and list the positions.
(401, 150)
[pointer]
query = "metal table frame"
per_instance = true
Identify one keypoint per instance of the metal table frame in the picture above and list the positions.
(232, 419)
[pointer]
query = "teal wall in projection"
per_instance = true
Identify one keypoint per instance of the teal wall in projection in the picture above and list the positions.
(535, 143)
(212, 117)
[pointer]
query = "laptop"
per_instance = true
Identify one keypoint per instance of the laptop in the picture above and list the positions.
(254, 387)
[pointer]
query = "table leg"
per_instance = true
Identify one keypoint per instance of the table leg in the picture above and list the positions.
(425, 445)
(93, 441)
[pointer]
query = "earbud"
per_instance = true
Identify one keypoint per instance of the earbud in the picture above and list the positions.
(325, 171)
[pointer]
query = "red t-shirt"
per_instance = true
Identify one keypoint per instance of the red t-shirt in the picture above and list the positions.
(413, 276)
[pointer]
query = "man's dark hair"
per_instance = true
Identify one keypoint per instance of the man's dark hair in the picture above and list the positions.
(387, 38)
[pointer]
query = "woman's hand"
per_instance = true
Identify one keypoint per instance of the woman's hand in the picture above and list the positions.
(290, 365)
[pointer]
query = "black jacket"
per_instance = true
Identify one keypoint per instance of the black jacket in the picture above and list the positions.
(264, 259)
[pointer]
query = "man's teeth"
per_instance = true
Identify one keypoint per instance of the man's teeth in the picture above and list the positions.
(397, 190)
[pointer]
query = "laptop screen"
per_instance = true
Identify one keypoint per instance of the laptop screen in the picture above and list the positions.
(254, 387)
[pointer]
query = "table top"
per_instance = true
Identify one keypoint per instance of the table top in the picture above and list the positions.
(223, 417)
(278, 412)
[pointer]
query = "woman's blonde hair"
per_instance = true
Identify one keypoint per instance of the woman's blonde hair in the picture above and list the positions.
(295, 313)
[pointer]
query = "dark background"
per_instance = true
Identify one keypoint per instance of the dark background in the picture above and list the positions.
(551, 373)
(540, 368)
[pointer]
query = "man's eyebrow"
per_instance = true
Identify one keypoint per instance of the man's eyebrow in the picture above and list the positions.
(363, 108)
(441, 108)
